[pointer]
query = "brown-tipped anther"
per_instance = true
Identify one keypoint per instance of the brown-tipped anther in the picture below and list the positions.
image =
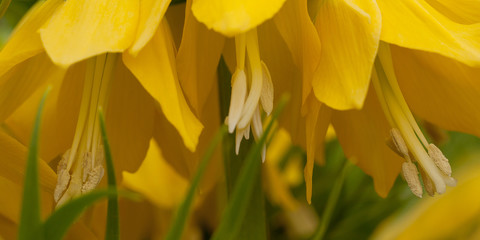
(439, 159)
(63, 177)
(399, 143)
(410, 173)
(427, 183)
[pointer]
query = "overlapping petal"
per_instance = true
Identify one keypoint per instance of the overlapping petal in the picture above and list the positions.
(349, 32)
(231, 17)
(157, 180)
(25, 41)
(151, 13)
(197, 60)
(154, 67)
(439, 89)
(417, 25)
(362, 134)
(80, 29)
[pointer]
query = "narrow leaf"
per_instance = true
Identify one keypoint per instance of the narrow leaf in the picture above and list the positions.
(112, 231)
(234, 213)
(30, 213)
(60, 221)
(176, 229)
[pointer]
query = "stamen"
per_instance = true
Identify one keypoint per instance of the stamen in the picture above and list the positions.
(406, 135)
(439, 159)
(85, 158)
(256, 80)
(411, 176)
(239, 92)
(266, 97)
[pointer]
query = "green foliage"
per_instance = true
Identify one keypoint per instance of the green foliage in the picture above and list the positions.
(113, 229)
(181, 215)
(236, 209)
(29, 226)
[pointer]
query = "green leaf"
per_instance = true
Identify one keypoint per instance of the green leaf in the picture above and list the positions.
(60, 221)
(236, 209)
(30, 213)
(176, 229)
(4, 6)
(112, 231)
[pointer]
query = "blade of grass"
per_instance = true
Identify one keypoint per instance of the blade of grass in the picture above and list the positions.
(332, 201)
(30, 214)
(176, 230)
(235, 211)
(60, 221)
(112, 231)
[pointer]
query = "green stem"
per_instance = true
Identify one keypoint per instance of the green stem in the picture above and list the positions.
(332, 202)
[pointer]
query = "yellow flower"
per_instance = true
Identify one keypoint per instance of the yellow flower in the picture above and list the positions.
(426, 219)
(434, 57)
(72, 34)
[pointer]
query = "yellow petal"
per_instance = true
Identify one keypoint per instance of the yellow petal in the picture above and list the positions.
(13, 158)
(349, 32)
(82, 29)
(286, 78)
(197, 60)
(154, 67)
(300, 35)
(461, 11)
(179, 157)
(439, 89)
(422, 221)
(417, 25)
(278, 188)
(157, 180)
(231, 17)
(11, 201)
(25, 41)
(362, 134)
(151, 13)
(20, 82)
(59, 115)
(129, 120)
(316, 125)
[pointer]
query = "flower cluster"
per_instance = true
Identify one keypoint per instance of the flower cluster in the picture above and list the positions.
(367, 68)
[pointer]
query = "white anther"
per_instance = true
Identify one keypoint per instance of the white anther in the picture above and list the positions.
(266, 98)
(439, 159)
(237, 100)
(410, 173)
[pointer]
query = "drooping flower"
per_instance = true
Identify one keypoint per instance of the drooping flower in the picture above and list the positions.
(89, 33)
(424, 31)
(253, 82)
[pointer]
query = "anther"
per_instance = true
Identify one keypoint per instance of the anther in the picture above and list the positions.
(399, 143)
(427, 183)
(410, 173)
(439, 159)
(63, 177)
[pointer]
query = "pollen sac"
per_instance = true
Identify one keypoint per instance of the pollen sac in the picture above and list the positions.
(399, 143)
(428, 183)
(410, 173)
(266, 98)
(63, 177)
(439, 159)
(239, 93)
